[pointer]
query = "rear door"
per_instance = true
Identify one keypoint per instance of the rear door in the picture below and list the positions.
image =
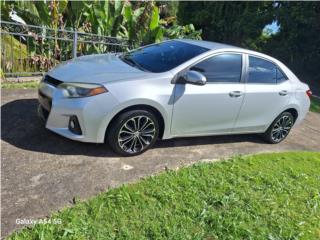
(268, 91)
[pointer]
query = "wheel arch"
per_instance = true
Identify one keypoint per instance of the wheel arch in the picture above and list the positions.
(293, 111)
(146, 107)
(267, 135)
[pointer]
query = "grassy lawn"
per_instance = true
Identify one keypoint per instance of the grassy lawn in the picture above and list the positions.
(266, 196)
(18, 85)
(315, 105)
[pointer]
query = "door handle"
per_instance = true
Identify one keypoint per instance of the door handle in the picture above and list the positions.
(235, 94)
(283, 93)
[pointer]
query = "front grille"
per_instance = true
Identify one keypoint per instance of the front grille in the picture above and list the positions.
(51, 80)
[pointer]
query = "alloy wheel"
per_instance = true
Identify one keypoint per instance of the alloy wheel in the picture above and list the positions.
(281, 128)
(136, 134)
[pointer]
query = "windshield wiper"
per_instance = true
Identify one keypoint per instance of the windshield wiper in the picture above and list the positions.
(131, 62)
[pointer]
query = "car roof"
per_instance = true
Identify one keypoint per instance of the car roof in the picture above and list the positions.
(209, 45)
(214, 46)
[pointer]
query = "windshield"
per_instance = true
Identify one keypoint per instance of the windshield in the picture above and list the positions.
(162, 57)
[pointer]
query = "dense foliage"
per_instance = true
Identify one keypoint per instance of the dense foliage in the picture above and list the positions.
(140, 22)
(298, 41)
(237, 23)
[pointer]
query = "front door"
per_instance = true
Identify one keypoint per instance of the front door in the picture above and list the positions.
(214, 107)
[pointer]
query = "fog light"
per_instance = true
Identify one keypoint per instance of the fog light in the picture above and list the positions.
(74, 125)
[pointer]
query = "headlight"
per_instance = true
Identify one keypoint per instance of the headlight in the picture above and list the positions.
(77, 90)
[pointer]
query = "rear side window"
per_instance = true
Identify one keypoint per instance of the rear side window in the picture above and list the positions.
(221, 68)
(263, 71)
(280, 76)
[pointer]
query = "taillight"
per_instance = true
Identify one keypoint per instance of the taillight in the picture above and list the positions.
(309, 93)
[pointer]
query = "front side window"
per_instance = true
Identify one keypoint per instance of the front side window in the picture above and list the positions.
(263, 71)
(221, 68)
(163, 56)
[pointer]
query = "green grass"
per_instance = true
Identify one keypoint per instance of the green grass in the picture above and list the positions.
(266, 196)
(18, 85)
(315, 105)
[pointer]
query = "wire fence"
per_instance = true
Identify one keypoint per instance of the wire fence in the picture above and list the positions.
(28, 50)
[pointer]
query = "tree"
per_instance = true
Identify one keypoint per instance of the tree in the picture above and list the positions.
(298, 41)
(237, 23)
(168, 8)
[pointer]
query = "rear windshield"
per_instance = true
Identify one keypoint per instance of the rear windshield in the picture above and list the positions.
(162, 57)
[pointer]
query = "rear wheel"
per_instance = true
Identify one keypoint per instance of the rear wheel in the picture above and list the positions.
(133, 132)
(280, 128)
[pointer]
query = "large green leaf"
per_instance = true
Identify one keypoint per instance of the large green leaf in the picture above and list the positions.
(128, 13)
(137, 13)
(43, 12)
(76, 12)
(159, 34)
(105, 6)
(28, 11)
(116, 25)
(118, 5)
(62, 5)
(154, 18)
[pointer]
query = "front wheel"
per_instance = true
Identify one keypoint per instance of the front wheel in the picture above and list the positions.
(133, 132)
(280, 128)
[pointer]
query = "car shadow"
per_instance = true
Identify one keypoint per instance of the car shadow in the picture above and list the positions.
(21, 127)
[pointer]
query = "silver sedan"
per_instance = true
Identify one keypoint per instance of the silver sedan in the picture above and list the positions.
(177, 88)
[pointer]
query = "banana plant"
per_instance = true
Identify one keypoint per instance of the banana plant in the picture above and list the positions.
(187, 31)
(129, 28)
(73, 14)
(141, 25)
(105, 19)
(156, 30)
(139, 22)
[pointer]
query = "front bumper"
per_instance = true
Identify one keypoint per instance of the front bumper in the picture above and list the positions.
(92, 113)
(43, 114)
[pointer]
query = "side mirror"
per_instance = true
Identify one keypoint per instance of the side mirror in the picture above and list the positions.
(194, 77)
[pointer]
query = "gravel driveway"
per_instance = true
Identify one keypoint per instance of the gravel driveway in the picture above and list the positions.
(42, 172)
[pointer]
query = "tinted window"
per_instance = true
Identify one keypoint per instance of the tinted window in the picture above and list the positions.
(262, 71)
(280, 76)
(163, 56)
(221, 68)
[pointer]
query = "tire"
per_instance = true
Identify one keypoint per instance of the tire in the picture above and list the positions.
(279, 129)
(133, 132)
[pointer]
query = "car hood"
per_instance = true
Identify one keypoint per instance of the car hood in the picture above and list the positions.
(100, 68)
